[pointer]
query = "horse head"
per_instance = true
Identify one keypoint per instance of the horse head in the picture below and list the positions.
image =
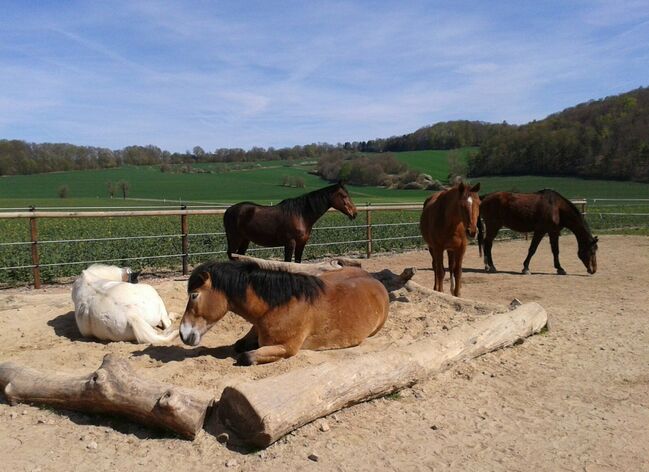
(588, 254)
(342, 202)
(205, 306)
(469, 202)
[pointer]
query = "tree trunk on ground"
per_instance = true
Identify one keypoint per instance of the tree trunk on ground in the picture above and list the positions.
(114, 388)
(263, 411)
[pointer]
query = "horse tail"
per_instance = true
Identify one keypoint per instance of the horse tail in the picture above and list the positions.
(480, 235)
(146, 334)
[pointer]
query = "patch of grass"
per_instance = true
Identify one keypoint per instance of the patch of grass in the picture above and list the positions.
(394, 396)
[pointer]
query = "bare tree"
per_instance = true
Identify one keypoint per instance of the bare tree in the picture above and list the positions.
(64, 191)
(123, 187)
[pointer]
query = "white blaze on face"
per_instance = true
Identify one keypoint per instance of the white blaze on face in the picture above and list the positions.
(470, 200)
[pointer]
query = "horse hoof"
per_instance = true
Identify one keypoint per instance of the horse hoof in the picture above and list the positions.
(561, 272)
(526, 272)
(489, 269)
(245, 359)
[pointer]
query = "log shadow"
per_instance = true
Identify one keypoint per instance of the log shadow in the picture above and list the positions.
(178, 353)
(508, 272)
(116, 423)
(215, 427)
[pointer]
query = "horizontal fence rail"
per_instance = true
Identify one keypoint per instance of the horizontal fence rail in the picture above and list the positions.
(376, 233)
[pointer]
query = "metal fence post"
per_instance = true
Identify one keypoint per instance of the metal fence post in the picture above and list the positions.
(184, 230)
(368, 219)
(33, 231)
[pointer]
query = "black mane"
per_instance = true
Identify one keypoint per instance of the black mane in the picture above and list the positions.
(317, 201)
(275, 287)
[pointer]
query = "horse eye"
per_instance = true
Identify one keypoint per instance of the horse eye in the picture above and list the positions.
(193, 295)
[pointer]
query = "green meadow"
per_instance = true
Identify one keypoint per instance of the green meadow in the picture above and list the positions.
(225, 184)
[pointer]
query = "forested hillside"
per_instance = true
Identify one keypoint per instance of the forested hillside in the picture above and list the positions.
(606, 138)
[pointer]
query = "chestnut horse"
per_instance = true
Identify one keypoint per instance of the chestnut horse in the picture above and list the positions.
(545, 211)
(288, 311)
(286, 224)
(445, 221)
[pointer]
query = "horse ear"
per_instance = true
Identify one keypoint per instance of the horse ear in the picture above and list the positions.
(476, 188)
(132, 277)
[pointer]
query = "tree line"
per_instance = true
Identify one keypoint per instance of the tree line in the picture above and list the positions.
(606, 139)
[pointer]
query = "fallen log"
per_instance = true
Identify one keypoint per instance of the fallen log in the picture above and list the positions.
(114, 388)
(263, 411)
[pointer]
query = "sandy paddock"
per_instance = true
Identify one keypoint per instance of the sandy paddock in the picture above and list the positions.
(575, 398)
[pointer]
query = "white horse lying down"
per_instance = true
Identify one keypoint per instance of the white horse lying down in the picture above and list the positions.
(110, 308)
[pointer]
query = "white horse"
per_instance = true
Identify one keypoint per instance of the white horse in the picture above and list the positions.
(110, 308)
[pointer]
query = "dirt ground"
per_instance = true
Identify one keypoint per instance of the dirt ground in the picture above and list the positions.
(574, 398)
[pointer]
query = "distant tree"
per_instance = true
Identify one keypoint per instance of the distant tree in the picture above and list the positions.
(110, 186)
(165, 167)
(123, 186)
(456, 165)
(64, 191)
(299, 182)
(286, 181)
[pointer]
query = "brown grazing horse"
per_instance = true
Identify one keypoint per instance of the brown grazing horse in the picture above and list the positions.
(288, 311)
(286, 224)
(445, 221)
(545, 211)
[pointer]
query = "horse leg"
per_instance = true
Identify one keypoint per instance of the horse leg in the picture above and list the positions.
(438, 260)
(536, 239)
(432, 258)
(299, 249)
(248, 342)
(451, 268)
(457, 269)
(492, 231)
(267, 354)
(554, 243)
(288, 250)
(243, 247)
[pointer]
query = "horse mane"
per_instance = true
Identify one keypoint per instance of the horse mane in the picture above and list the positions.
(318, 201)
(548, 192)
(275, 287)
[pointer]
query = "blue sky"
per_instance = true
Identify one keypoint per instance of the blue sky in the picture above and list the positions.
(178, 74)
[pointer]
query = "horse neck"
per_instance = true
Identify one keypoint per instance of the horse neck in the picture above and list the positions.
(250, 309)
(450, 202)
(574, 221)
(310, 214)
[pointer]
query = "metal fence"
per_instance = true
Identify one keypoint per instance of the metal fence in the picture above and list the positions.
(35, 244)
(363, 235)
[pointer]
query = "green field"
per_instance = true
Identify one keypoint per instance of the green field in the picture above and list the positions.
(334, 234)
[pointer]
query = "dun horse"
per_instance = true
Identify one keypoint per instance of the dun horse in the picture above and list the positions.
(545, 211)
(111, 306)
(288, 311)
(445, 221)
(286, 224)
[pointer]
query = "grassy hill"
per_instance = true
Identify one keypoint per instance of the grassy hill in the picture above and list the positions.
(262, 183)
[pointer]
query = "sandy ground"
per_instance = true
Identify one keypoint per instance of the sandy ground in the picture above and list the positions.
(575, 398)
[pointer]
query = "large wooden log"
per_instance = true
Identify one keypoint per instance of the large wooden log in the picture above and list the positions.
(263, 411)
(114, 388)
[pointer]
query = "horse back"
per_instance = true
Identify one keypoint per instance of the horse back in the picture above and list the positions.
(355, 307)
(523, 212)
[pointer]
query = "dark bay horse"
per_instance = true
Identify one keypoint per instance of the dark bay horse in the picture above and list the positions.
(445, 221)
(543, 212)
(286, 224)
(288, 311)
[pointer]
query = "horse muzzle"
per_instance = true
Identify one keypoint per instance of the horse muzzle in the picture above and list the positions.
(189, 335)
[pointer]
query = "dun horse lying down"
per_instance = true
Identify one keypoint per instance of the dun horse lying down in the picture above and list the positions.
(288, 311)
(108, 305)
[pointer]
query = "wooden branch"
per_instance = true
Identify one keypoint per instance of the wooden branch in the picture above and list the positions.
(263, 411)
(114, 388)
